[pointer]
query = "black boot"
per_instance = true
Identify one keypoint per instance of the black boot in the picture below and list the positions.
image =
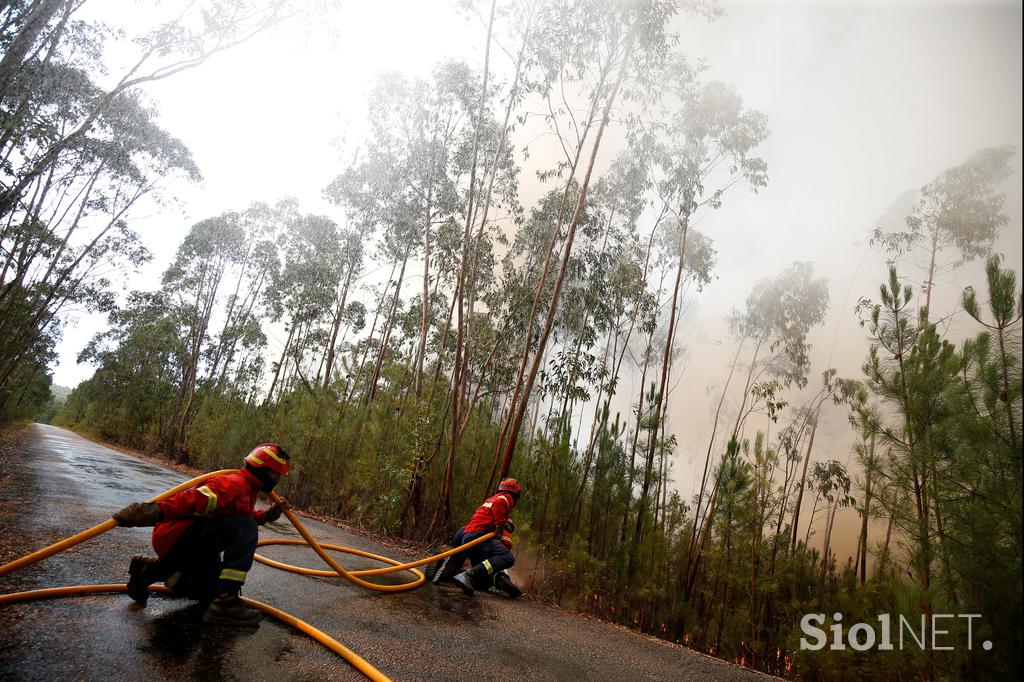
(227, 608)
(143, 571)
(504, 584)
(475, 576)
(447, 569)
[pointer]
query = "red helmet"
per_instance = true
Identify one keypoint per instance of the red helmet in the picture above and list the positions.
(510, 485)
(269, 456)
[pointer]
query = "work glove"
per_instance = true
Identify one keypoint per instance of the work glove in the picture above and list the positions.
(139, 514)
(510, 526)
(274, 513)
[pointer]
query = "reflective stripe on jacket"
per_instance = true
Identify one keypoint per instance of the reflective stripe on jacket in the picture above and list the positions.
(493, 511)
(232, 494)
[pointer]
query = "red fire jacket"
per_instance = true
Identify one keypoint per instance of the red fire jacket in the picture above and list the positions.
(492, 512)
(232, 494)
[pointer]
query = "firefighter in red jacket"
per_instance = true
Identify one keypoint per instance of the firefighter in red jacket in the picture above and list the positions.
(491, 558)
(194, 527)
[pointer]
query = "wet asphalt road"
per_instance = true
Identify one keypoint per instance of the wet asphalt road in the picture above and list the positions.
(59, 484)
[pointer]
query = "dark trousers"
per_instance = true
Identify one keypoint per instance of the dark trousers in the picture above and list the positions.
(493, 551)
(213, 555)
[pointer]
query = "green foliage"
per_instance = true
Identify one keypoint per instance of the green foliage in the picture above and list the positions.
(78, 157)
(366, 391)
(960, 209)
(948, 422)
(778, 316)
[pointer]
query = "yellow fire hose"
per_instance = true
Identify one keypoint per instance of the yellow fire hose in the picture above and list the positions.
(357, 661)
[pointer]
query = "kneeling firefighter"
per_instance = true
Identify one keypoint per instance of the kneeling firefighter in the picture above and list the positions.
(192, 529)
(489, 560)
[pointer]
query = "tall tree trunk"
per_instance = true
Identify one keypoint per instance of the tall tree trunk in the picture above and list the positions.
(421, 348)
(930, 283)
(599, 416)
(476, 391)
(280, 364)
(371, 390)
(520, 410)
(707, 457)
(803, 484)
(478, 244)
(21, 109)
(661, 397)
(206, 296)
(830, 519)
(884, 558)
(443, 512)
(37, 19)
(507, 422)
(339, 313)
(863, 544)
(439, 365)
(695, 567)
(350, 393)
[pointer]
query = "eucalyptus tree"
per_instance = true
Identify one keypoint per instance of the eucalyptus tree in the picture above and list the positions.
(193, 285)
(401, 184)
(263, 227)
(443, 508)
(689, 267)
(177, 44)
(960, 211)
(25, 25)
(779, 315)
(62, 246)
(615, 287)
(501, 193)
(700, 151)
(487, 139)
(573, 370)
(28, 384)
(140, 362)
(76, 155)
(408, 179)
(602, 50)
(831, 481)
(303, 291)
(193, 362)
(351, 253)
(586, 313)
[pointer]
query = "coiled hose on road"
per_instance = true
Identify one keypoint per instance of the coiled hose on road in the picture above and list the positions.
(357, 661)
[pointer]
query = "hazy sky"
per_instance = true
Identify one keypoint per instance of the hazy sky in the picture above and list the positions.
(866, 100)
